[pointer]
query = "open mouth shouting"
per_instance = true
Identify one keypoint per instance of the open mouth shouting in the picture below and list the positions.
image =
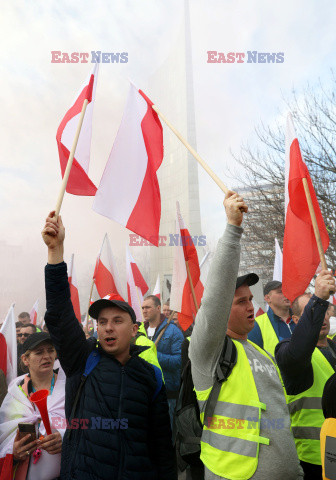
(110, 341)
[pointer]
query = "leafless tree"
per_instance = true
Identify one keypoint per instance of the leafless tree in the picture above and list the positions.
(314, 114)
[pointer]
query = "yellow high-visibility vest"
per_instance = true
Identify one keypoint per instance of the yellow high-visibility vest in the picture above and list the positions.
(230, 440)
(306, 411)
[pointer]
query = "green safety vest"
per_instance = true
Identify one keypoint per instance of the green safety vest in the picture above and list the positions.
(230, 444)
(150, 355)
(306, 411)
(270, 338)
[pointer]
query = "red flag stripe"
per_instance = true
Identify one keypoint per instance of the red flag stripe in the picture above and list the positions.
(149, 199)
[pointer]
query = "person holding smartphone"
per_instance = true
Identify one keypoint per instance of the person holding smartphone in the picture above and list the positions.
(23, 441)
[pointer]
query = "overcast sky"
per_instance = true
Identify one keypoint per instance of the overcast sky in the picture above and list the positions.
(230, 100)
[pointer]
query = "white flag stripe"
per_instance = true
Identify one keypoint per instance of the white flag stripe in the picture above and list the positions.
(8, 330)
(179, 268)
(82, 153)
(277, 270)
(121, 171)
(157, 288)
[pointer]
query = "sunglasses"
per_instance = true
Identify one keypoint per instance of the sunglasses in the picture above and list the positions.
(23, 334)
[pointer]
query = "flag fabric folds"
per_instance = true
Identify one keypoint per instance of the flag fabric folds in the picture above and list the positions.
(74, 289)
(8, 332)
(136, 285)
(79, 182)
(300, 253)
(106, 275)
(157, 288)
(129, 191)
(181, 299)
(34, 312)
(277, 269)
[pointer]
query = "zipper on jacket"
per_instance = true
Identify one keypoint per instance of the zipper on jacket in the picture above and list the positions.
(121, 440)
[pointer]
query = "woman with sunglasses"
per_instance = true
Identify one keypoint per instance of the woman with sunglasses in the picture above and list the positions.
(39, 459)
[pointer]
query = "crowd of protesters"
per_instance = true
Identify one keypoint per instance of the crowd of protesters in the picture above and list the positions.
(112, 395)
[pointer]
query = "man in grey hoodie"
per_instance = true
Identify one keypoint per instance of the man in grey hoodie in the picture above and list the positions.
(249, 434)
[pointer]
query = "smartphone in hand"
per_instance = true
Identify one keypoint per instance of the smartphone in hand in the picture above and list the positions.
(25, 428)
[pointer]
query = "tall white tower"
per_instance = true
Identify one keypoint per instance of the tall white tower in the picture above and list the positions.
(171, 88)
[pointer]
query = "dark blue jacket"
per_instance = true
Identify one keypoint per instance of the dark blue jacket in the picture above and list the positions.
(121, 430)
(282, 329)
(294, 355)
(169, 354)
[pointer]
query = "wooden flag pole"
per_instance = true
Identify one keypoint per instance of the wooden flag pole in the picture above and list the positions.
(315, 226)
(191, 286)
(192, 151)
(164, 328)
(87, 314)
(70, 160)
(137, 291)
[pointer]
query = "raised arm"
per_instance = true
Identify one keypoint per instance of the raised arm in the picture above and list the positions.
(65, 331)
(212, 318)
(294, 356)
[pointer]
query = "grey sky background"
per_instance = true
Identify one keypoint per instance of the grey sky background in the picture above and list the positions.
(230, 100)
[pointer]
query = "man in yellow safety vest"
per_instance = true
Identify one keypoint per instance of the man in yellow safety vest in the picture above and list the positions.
(248, 434)
(307, 360)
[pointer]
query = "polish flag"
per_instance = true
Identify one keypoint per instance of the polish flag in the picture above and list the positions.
(33, 313)
(74, 289)
(129, 190)
(300, 254)
(257, 309)
(157, 289)
(181, 299)
(79, 182)
(277, 269)
(136, 285)
(106, 275)
(9, 345)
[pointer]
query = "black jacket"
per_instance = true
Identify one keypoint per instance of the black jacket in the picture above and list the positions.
(294, 355)
(120, 430)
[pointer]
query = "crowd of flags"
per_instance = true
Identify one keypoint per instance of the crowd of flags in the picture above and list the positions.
(129, 194)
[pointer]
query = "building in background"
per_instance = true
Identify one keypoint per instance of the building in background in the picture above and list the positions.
(171, 88)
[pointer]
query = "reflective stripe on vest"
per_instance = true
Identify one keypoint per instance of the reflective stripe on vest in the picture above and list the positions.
(231, 439)
(270, 338)
(306, 411)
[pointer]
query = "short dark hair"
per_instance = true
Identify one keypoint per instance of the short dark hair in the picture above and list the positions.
(30, 325)
(18, 324)
(167, 302)
(155, 299)
(296, 310)
(24, 315)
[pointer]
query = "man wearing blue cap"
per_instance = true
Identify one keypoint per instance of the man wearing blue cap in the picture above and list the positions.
(116, 403)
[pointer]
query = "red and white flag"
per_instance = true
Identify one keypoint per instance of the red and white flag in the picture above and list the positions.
(277, 269)
(136, 285)
(257, 309)
(74, 289)
(8, 342)
(181, 299)
(157, 289)
(129, 190)
(300, 254)
(106, 275)
(34, 312)
(79, 182)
